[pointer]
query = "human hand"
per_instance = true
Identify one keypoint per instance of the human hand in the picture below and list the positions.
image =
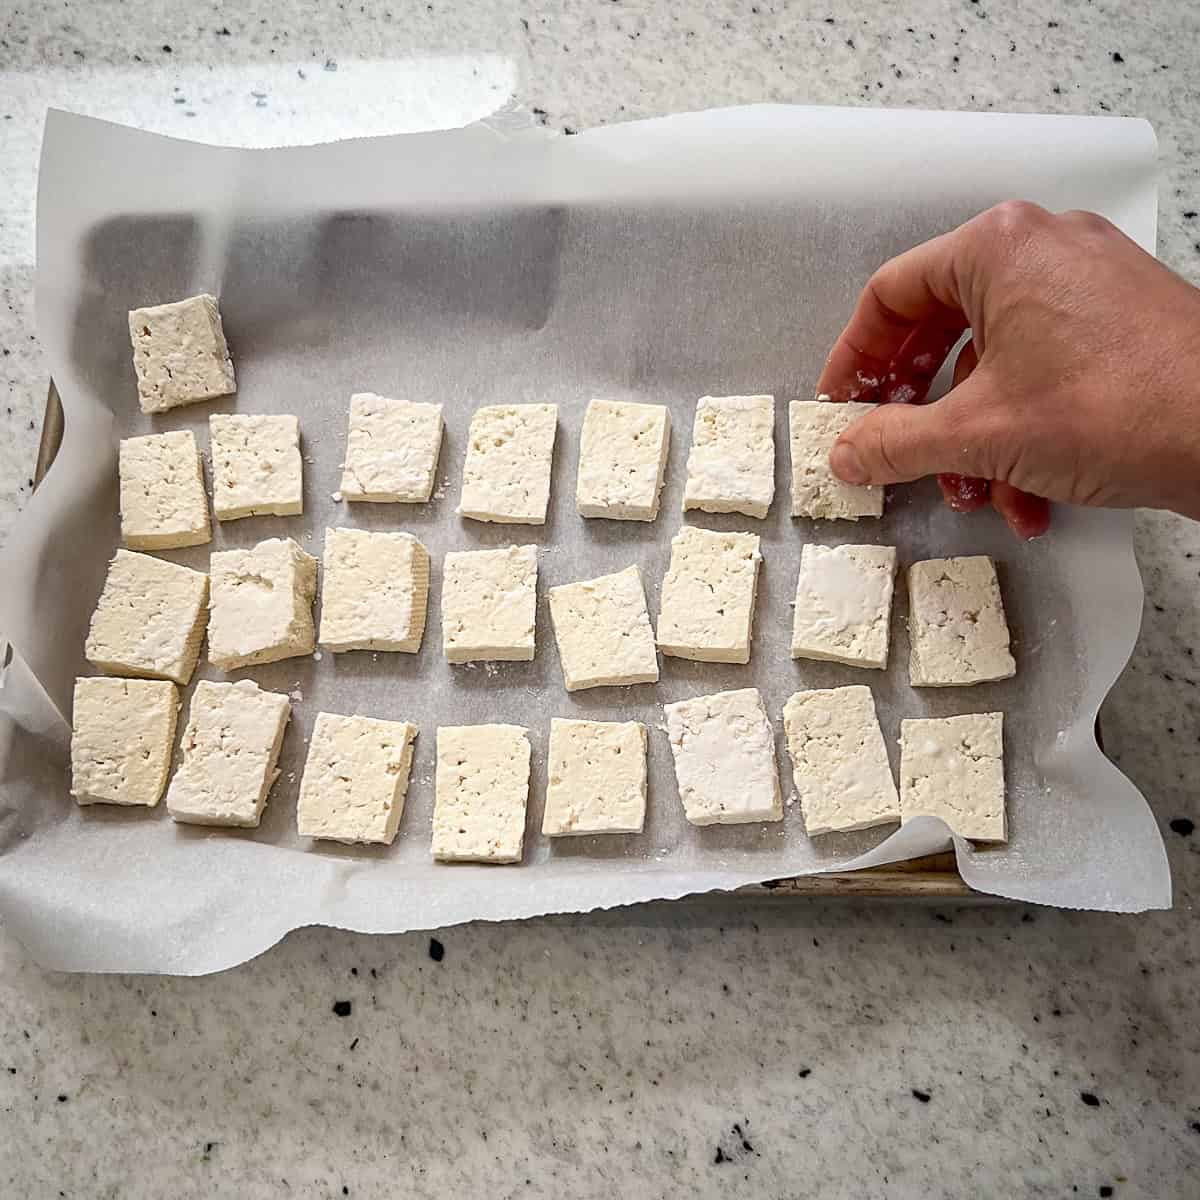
(1081, 382)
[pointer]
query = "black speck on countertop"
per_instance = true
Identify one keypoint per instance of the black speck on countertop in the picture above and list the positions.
(436, 950)
(208, 1147)
(330, 65)
(805, 1072)
(166, 49)
(1117, 56)
(719, 1157)
(1184, 826)
(1090, 1099)
(920, 1095)
(354, 1043)
(62, 1097)
(341, 1008)
(1106, 1189)
(223, 32)
(1189, 214)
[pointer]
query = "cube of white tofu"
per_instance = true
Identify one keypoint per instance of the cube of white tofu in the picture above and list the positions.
(489, 604)
(707, 611)
(260, 604)
(375, 592)
(957, 631)
(230, 746)
(179, 353)
(355, 779)
(149, 620)
(596, 778)
(163, 503)
(953, 768)
(391, 450)
(482, 788)
(622, 458)
(724, 751)
(844, 604)
(839, 762)
(603, 631)
(510, 451)
(731, 465)
(121, 735)
(816, 490)
(256, 466)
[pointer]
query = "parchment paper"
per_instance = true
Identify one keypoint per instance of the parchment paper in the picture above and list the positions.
(708, 253)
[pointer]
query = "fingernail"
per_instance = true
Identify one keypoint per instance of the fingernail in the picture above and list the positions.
(846, 464)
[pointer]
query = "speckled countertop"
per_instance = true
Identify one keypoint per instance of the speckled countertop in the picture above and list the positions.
(760, 1049)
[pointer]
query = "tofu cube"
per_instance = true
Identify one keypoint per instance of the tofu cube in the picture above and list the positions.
(179, 353)
(489, 604)
(724, 751)
(482, 788)
(121, 735)
(355, 779)
(260, 604)
(391, 450)
(229, 746)
(839, 762)
(375, 593)
(957, 631)
(597, 778)
(707, 611)
(953, 768)
(163, 502)
(506, 476)
(622, 458)
(731, 465)
(844, 604)
(603, 631)
(816, 490)
(256, 467)
(149, 620)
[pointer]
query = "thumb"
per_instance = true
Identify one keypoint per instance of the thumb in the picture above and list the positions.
(898, 443)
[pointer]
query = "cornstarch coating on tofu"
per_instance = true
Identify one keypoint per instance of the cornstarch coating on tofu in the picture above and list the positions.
(731, 465)
(256, 466)
(391, 449)
(489, 604)
(816, 491)
(179, 354)
(596, 778)
(622, 460)
(163, 503)
(510, 453)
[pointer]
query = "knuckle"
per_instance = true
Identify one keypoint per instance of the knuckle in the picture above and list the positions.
(1015, 218)
(1086, 222)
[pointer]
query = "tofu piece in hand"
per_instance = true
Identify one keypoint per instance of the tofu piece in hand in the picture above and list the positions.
(256, 466)
(355, 779)
(179, 353)
(596, 778)
(150, 618)
(958, 634)
(622, 460)
(230, 746)
(375, 593)
(816, 491)
(163, 502)
(731, 465)
(707, 611)
(510, 454)
(489, 604)
(839, 762)
(260, 607)
(391, 450)
(482, 789)
(724, 751)
(953, 768)
(121, 737)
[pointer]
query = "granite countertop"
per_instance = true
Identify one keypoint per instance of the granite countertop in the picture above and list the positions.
(762, 1048)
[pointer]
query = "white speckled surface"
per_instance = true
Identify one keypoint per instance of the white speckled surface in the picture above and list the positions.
(707, 1049)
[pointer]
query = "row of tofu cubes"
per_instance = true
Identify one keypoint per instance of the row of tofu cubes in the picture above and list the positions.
(357, 770)
(257, 606)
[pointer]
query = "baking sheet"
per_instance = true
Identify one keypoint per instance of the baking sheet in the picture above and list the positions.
(659, 261)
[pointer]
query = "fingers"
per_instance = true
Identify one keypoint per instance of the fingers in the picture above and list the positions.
(1027, 516)
(965, 493)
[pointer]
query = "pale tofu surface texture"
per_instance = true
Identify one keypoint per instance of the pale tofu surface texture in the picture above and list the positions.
(482, 789)
(724, 751)
(260, 604)
(149, 620)
(596, 778)
(391, 449)
(839, 760)
(731, 465)
(603, 631)
(844, 604)
(953, 768)
(707, 610)
(163, 502)
(622, 459)
(229, 748)
(122, 731)
(355, 779)
(957, 630)
(179, 353)
(256, 466)
(489, 604)
(375, 591)
(816, 491)
(510, 452)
